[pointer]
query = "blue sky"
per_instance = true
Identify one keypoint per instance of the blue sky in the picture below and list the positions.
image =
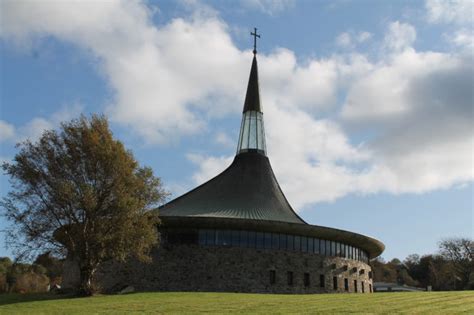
(368, 105)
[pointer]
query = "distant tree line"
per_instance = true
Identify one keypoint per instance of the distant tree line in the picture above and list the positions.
(452, 268)
(39, 276)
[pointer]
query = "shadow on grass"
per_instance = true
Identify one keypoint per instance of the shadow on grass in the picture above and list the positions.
(12, 298)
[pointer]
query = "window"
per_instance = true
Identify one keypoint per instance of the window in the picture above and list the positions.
(289, 277)
(310, 244)
(370, 288)
(328, 248)
(321, 281)
(363, 286)
(202, 237)
(346, 284)
(272, 276)
(244, 239)
(275, 241)
(333, 248)
(283, 242)
(210, 237)
(304, 243)
(316, 246)
(290, 242)
(252, 239)
(297, 243)
(334, 283)
(260, 240)
(268, 240)
(235, 238)
(306, 279)
(226, 237)
(355, 286)
(322, 247)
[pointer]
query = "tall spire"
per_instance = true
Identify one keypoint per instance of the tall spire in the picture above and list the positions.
(252, 131)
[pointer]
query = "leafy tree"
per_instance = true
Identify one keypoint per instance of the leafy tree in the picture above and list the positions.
(52, 265)
(459, 252)
(79, 192)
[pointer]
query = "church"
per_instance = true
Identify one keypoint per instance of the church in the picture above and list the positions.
(238, 233)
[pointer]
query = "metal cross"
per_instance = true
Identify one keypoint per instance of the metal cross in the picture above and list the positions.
(255, 35)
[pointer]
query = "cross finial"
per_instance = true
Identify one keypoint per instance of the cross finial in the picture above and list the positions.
(255, 35)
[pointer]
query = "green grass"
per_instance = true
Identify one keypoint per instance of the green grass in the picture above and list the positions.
(232, 303)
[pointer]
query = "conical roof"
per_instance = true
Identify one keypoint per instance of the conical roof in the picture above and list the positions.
(247, 189)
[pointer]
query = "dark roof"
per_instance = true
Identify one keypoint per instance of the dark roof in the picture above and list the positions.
(252, 98)
(247, 189)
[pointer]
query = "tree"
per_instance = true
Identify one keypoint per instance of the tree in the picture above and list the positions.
(460, 253)
(78, 192)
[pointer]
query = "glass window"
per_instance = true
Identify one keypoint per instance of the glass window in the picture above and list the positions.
(355, 286)
(291, 242)
(362, 284)
(252, 239)
(297, 243)
(202, 237)
(333, 248)
(210, 237)
(253, 130)
(235, 238)
(321, 281)
(289, 277)
(243, 239)
(283, 242)
(346, 284)
(306, 279)
(304, 243)
(272, 276)
(334, 283)
(226, 237)
(310, 244)
(323, 247)
(275, 241)
(219, 237)
(316, 246)
(328, 248)
(268, 240)
(260, 240)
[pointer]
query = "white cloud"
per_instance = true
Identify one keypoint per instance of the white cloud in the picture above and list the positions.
(169, 80)
(271, 7)
(450, 11)
(34, 128)
(350, 39)
(344, 40)
(399, 36)
(363, 37)
(7, 131)
(209, 166)
(224, 139)
(463, 38)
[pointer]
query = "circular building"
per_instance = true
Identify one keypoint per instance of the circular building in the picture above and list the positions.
(238, 233)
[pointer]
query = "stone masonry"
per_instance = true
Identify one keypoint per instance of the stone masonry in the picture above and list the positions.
(230, 269)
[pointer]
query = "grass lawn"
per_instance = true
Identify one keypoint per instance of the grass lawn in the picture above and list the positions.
(231, 303)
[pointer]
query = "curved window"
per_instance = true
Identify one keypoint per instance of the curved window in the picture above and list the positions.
(272, 241)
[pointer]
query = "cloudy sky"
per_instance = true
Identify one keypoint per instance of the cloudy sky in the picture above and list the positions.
(368, 105)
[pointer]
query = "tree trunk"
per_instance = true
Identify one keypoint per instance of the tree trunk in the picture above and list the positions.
(86, 286)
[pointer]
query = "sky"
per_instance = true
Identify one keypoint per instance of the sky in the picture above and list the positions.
(368, 105)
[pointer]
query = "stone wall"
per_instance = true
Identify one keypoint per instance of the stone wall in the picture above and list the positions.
(231, 269)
